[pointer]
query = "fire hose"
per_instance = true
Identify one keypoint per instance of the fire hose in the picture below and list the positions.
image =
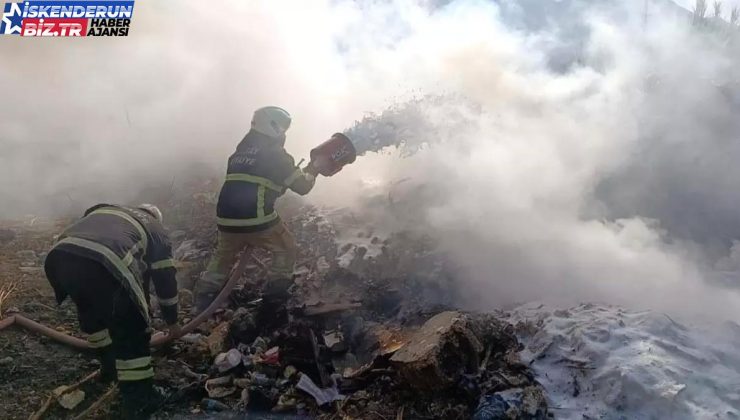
(328, 158)
(157, 340)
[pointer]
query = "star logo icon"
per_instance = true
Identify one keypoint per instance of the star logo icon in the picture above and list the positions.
(12, 19)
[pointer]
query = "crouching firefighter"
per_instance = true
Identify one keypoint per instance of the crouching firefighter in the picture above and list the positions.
(258, 173)
(105, 262)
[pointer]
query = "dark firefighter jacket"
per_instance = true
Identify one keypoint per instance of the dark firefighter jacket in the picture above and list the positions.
(259, 171)
(133, 246)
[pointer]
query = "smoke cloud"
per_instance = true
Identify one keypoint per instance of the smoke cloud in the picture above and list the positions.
(586, 151)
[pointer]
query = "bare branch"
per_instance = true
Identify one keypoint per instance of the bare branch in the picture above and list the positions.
(700, 11)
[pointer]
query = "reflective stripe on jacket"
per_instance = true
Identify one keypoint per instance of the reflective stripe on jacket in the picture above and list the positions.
(133, 246)
(259, 171)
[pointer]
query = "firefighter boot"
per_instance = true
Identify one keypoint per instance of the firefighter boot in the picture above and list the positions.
(273, 311)
(107, 364)
(140, 399)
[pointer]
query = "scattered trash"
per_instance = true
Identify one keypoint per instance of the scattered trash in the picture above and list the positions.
(286, 402)
(260, 379)
(289, 372)
(219, 387)
(259, 345)
(334, 340)
(227, 361)
(244, 326)
(242, 382)
(193, 338)
(217, 337)
(208, 404)
(491, 407)
(271, 356)
(514, 403)
(321, 395)
(346, 364)
(200, 377)
(60, 390)
(300, 409)
(243, 400)
(247, 360)
(71, 399)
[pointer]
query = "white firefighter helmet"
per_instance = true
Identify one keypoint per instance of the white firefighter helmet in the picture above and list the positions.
(271, 121)
(153, 210)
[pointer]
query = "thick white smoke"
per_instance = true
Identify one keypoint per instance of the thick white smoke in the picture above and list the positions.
(569, 94)
(514, 194)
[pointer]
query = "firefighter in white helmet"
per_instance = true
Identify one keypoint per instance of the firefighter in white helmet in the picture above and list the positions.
(259, 171)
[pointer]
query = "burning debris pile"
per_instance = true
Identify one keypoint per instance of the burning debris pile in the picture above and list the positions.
(370, 332)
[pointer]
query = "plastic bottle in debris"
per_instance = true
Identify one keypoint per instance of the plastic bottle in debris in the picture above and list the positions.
(260, 379)
(208, 404)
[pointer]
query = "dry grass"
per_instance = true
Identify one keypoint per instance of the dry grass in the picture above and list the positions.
(7, 291)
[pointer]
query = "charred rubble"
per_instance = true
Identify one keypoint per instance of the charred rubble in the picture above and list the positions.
(371, 332)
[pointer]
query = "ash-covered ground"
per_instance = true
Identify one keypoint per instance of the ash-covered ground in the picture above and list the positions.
(376, 331)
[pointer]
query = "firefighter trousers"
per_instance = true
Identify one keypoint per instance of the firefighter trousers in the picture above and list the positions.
(277, 239)
(107, 313)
